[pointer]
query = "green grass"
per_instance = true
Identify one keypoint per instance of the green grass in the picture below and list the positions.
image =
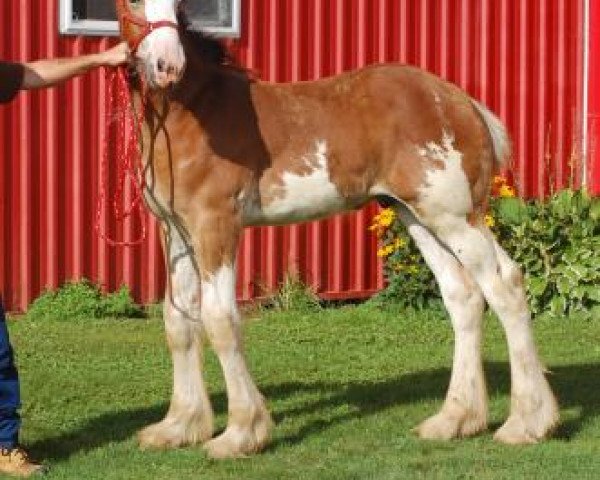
(345, 387)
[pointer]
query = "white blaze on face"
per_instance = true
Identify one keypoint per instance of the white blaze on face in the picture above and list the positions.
(303, 197)
(161, 51)
(446, 190)
(157, 10)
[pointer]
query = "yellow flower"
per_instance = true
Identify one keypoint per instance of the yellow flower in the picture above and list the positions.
(385, 251)
(506, 191)
(386, 217)
(502, 188)
(499, 180)
(382, 221)
(399, 243)
(490, 221)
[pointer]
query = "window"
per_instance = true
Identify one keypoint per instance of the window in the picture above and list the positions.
(98, 17)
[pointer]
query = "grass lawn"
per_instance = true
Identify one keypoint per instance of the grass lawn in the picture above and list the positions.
(345, 387)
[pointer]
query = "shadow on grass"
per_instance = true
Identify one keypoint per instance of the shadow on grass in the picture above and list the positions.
(97, 432)
(575, 386)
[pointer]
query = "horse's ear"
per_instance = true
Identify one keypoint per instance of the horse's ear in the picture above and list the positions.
(182, 15)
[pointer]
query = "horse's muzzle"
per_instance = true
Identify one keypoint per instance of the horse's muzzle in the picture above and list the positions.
(164, 74)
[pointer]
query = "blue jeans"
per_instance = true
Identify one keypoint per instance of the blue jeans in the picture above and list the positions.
(10, 397)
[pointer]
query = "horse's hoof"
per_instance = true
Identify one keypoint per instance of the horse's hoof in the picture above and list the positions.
(235, 443)
(530, 425)
(160, 436)
(516, 431)
(444, 426)
(239, 442)
(173, 434)
(229, 445)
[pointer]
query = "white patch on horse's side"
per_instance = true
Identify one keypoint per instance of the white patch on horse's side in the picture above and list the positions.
(445, 190)
(305, 197)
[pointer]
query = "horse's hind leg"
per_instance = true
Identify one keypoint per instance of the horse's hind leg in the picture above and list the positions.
(190, 418)
(534, 412)
(464, 412)
(249, 424)
(533, 408)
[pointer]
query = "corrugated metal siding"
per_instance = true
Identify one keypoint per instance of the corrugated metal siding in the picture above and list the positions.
(593, 112)
(523, 59)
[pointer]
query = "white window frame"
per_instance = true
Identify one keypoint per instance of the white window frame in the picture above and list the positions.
(68, 26)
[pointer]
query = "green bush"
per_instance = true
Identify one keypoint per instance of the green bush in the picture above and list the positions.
(80, 300)
(555, 241)
(557, 244)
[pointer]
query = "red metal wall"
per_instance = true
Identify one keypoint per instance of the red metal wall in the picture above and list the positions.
(593, 111)
(522, 58)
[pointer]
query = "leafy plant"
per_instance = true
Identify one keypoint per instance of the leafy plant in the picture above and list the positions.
(557, 244)
(79, 300)
(410, 282)
(294, 294)
(555, 241)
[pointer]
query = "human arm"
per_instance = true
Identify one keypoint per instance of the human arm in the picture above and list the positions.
(46, 73)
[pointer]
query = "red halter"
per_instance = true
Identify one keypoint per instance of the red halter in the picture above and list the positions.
(146, 26)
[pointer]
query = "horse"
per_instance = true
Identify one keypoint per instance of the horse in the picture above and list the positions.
(223, 150)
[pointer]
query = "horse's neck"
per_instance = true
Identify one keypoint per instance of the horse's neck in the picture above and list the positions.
(204, 90)
(197, 80)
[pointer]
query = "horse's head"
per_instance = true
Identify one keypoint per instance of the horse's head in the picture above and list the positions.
(150, 27)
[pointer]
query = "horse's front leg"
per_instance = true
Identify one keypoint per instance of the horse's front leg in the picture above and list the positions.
(190, 418)
(249, 424)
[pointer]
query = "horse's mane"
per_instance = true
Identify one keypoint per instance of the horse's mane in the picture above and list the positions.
(211, 50)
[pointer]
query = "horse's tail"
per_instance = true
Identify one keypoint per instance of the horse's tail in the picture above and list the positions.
(498, 134)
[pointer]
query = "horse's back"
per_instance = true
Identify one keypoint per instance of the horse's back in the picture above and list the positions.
(366, 107)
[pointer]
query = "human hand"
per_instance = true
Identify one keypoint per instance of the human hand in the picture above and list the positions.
(115, 56)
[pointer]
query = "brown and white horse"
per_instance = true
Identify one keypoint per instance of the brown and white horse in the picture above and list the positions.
(223, 150)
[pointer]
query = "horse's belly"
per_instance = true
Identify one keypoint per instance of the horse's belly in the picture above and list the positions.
(296, 198)
(298, 206)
